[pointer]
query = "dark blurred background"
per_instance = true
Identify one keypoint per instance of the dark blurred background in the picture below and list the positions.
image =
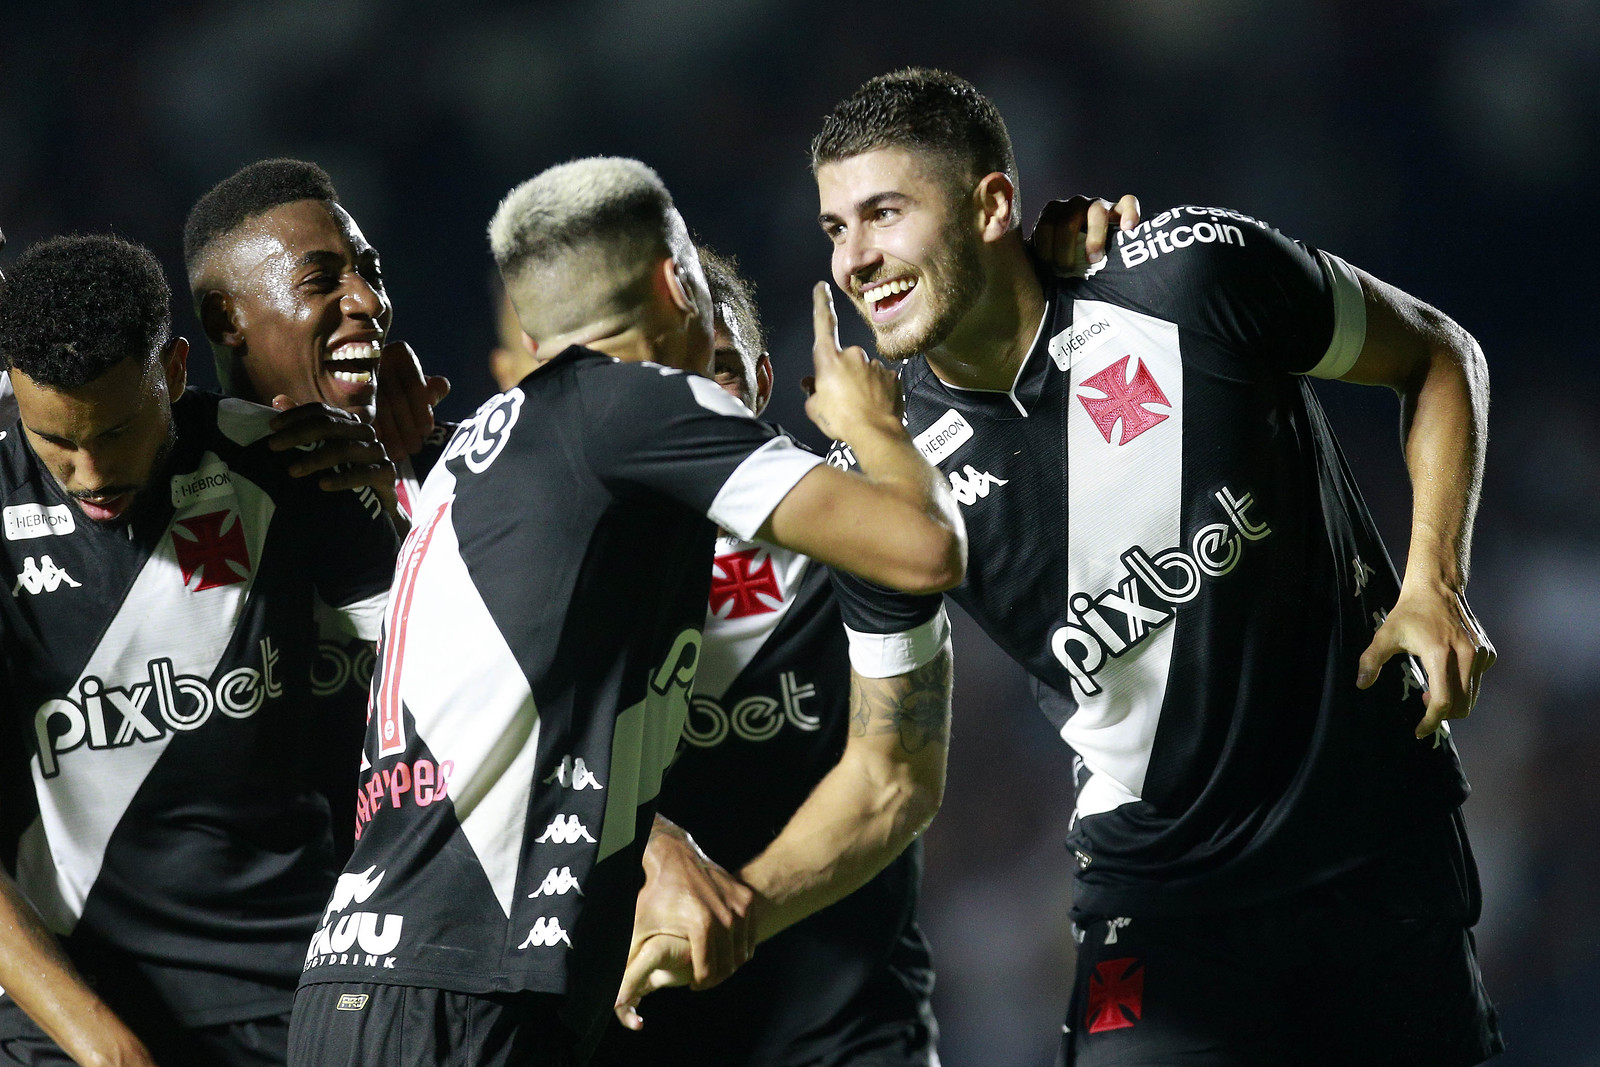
(1448, 146)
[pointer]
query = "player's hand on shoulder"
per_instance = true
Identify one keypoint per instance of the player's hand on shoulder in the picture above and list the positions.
(849, 390)
(1071, 234)
(340, 449)
(1438, 627)
(403, 416)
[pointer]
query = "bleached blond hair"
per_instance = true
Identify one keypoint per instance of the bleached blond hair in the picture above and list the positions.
(578, 242)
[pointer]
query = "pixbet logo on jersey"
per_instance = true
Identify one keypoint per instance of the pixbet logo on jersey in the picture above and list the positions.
(1122, 617)
(755, 718)
(363, 938)
(182, 703)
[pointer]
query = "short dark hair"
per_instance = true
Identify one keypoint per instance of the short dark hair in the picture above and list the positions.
(923, 110)
(732, 291)
(250, 191)
(71, 308)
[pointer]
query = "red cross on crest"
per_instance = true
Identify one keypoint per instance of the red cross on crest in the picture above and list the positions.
(1116, 995)
(740, 587)
(213, 547)
(1124, 400)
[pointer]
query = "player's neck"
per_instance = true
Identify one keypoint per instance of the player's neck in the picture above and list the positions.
(987, 347)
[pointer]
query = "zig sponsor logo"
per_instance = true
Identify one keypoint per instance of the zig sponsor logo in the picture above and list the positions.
(755, 718)
(146, 710)
(574, 774)
(564, 830)
(24, 522)
(1081, 339)
(972, 485)
(1182, 227)
(557, 882)
(212, 480)
(481, 439)
(359, 938)
(943, 437)
(42, 576)
(546, 933)
(1119, 619)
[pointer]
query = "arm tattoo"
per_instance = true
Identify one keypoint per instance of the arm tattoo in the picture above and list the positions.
(914, 705)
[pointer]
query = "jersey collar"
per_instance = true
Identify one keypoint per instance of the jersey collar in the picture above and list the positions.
(1018, 401)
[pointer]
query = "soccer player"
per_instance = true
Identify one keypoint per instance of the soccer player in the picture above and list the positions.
(545, 629)
(162, 562)
(1272, 864)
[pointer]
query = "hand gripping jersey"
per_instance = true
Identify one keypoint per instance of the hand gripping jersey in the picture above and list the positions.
(1165, 534)
(533, 677)
(769, 718)
(158, 807)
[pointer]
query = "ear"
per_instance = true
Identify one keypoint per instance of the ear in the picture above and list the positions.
(763, 382)
(995, 197)
(678, 286)
(221, 320)
(175, 365)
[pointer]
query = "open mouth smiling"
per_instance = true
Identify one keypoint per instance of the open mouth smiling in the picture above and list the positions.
(354, 362)
(884, 298)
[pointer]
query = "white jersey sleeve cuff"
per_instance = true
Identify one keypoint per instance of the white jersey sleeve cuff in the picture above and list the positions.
(1349, 318)
(759, 484)
(888, 655)
(364, 618)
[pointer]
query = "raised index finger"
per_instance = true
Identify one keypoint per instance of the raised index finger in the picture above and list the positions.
(824, 320)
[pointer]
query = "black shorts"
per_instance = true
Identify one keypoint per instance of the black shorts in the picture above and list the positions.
(1374, 968)
(360, 1024)
(248, 1043)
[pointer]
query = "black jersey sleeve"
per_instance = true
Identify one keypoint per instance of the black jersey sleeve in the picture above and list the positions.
(1278, 303)
(680, 435)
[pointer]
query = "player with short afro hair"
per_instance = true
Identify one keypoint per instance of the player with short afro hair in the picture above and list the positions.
(71, 308)
(252, 190)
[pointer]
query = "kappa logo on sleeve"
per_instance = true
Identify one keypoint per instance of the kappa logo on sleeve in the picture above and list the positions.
(42, 576)
(546, 933)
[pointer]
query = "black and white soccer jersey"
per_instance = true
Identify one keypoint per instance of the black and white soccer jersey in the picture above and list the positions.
(158, 806)
(1165, 534)
(533, 678)
(768, 720)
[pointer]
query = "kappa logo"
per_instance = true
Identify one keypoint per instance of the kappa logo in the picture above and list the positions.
(24, 522)
(740, 586)
(558, 882)
(576, 772)
(564, 830)
(755, 718)
(546, 933)
(212, 547)
(42, 577)
(1113, 926)
(974, 486)
(481, 439)
(1124, 400)
(1116, 995)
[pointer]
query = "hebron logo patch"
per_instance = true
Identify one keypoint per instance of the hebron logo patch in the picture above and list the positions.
(744, 583)
(182, 702)
(1124, 400)
(574, 773)
(212, 480)
(26, 521)
(755, 718)
(1081, 339)
(564, 830)
(972, 486)
(211, 546)
(42, 576)
(351, 1001)
(480, 440)
(943, 437)
(360, 937)
(1116, 995)
(546, 933)
(558, 882)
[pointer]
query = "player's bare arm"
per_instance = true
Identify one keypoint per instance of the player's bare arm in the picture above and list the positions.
(898, 525)
(43, 982)
(884, 791)
(1443, 383)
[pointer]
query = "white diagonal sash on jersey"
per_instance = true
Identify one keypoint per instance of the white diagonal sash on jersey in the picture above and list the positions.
(1121, 495)
(60, 854)
(456, 663)
(732, 642)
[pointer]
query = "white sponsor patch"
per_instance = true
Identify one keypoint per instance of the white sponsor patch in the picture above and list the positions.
(1081, 339)
(24, 521)
(944, 437)
(212, 480)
